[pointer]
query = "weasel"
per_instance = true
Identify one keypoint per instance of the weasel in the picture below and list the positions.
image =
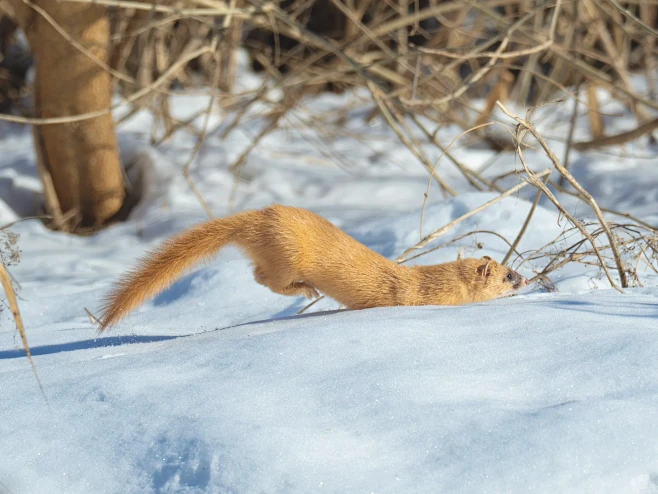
(296, 252)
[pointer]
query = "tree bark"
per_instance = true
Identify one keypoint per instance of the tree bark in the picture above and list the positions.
(81, 158)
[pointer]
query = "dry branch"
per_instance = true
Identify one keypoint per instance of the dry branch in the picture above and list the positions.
(618, 139)
(218, 9)
(444, 229)
(518, 238)
(574, 183)
(386, 113)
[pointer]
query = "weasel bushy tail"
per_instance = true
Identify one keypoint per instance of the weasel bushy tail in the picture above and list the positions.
(160, 268)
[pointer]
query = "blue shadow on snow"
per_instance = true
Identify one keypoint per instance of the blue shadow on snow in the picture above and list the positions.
(182, 287)
(84, 345)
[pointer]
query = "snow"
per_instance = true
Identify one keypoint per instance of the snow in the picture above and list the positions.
(545, 394)
(216, 385)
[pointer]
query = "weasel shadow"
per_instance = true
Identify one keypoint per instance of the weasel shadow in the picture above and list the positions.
(106, 341)
(182, 287)
(632, 309)
(114, 341)
(282, 317)
(292, 310)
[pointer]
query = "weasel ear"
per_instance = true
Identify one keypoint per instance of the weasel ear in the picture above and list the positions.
(484, 270)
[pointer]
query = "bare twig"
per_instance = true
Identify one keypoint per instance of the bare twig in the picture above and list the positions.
(437, 233)
(133, 97)
(389, 118)
(606, 210)
(618, 139)
(525, 224)
(538, 183)
(218, 8)
(572, 127)
(631, 16)
(436, 163)
(204, 131)
(574, 183)
(457, 239)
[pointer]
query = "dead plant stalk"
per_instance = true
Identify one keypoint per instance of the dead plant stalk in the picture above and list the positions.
(574, 183)
(437, 233)
(13, 306)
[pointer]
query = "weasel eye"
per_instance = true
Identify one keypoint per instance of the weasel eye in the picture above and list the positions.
(509, 276)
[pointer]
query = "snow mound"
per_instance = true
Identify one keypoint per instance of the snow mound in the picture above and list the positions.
(536, 393)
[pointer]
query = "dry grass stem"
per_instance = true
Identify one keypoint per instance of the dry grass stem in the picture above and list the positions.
(436, 163)
(618, 139)
(13, 306)
(204, 130)
(539, 184)
(528, 218)
(444, 229)
(574, 183)
(218, 8)
(386, 113)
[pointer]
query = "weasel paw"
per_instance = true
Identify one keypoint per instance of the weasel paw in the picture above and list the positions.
(309, 292)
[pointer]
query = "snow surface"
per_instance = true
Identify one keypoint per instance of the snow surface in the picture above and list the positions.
(217, 385)
(541, 394)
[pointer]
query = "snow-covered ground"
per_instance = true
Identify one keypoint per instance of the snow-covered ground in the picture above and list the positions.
(217, 385)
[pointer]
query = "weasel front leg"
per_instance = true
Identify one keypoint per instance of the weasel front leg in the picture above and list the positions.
(299, 288)
(290, 289)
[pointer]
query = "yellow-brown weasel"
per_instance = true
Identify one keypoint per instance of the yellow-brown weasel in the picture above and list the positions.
(296, 252)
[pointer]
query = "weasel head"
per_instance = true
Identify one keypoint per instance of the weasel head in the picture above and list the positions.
(498, 280)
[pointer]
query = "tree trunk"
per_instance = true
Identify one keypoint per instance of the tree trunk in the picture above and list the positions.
(80, 158)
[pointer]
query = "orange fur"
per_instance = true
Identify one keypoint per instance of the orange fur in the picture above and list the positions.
(296, 252)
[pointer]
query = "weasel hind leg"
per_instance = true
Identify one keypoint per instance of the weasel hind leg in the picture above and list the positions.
(284, 287)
